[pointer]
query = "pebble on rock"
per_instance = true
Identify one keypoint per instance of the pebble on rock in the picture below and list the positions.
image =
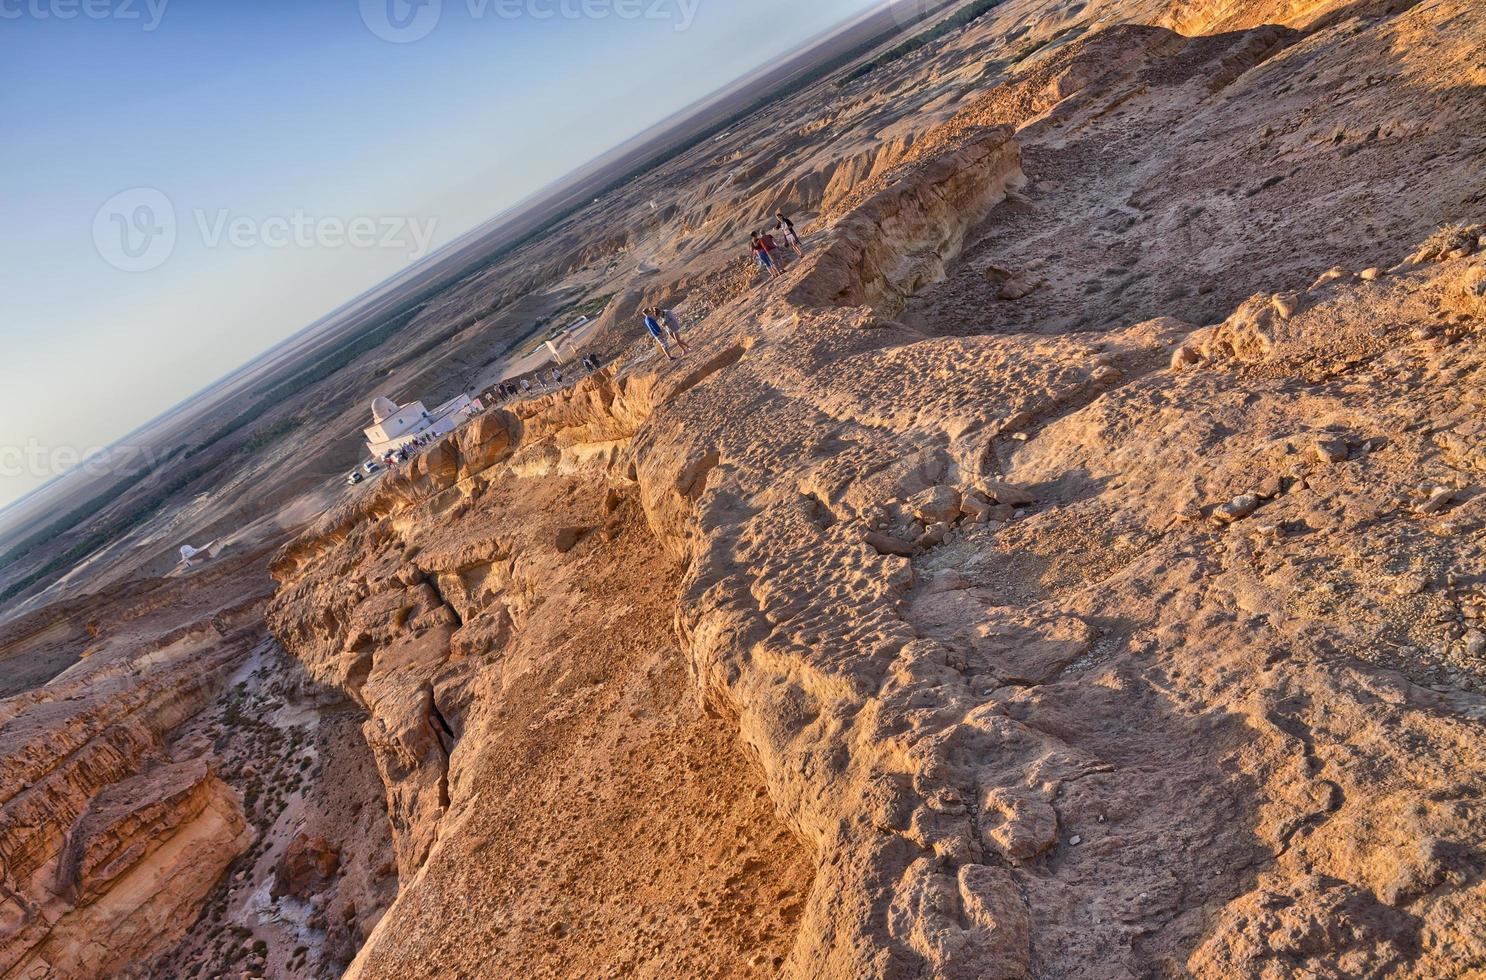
(1439, 499)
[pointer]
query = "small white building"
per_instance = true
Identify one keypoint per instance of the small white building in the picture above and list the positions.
(394, 425)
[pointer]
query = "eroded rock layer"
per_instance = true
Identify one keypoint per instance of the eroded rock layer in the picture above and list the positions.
(108, 845)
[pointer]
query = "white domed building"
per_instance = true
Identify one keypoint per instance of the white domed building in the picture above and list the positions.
(394, 425)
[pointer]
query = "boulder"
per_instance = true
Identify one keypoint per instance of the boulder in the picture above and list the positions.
(1285, 304)
(1015, 289)
(1017, 826)
(1012, 285)
(1237, 508)
(1184, 356)
(937, 503)
(307, 865)
(887, 544)
(1330, 450)
(1334, 273)
(933, 535)
(975, 507)
(1001, 492)
(1439, 498)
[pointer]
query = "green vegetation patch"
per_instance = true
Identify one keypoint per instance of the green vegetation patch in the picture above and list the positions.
(270, 434)
(950, 24)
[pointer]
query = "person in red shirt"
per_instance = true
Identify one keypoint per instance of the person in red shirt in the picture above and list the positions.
(765, 259)
(773, 248)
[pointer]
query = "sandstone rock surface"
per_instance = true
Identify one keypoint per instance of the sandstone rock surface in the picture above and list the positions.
(1105, 709)
(886, 634)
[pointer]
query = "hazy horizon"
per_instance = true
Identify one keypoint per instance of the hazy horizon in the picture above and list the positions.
(204, 183)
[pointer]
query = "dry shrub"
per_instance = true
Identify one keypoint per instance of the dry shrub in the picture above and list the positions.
(1448, 239)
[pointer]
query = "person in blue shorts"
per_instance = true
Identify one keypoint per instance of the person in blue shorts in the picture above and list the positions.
(765, 260)
(652, 323)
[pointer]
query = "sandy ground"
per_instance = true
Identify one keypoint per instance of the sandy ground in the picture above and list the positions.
(617, 829)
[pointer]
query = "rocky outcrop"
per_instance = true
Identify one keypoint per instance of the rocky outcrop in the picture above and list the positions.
(1094, 622)
(846, 174)
(1218, 16)
(135, 870)
(308, 864)
(903, 236)
(108, 846)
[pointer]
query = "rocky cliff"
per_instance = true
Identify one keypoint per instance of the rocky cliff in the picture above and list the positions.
(108, 845)
(1144, 651)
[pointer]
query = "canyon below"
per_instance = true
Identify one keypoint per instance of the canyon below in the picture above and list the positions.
(1073, 565)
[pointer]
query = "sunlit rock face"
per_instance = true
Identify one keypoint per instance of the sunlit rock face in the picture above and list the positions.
(1012, 626)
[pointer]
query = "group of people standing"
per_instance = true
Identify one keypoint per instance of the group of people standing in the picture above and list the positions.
(767, 249)
(407, 450)
(543, 379)
(663, 327)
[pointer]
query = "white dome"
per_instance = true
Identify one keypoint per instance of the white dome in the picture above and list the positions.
(383, 408)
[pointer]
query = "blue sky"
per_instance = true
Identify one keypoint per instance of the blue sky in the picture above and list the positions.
(268, 127)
